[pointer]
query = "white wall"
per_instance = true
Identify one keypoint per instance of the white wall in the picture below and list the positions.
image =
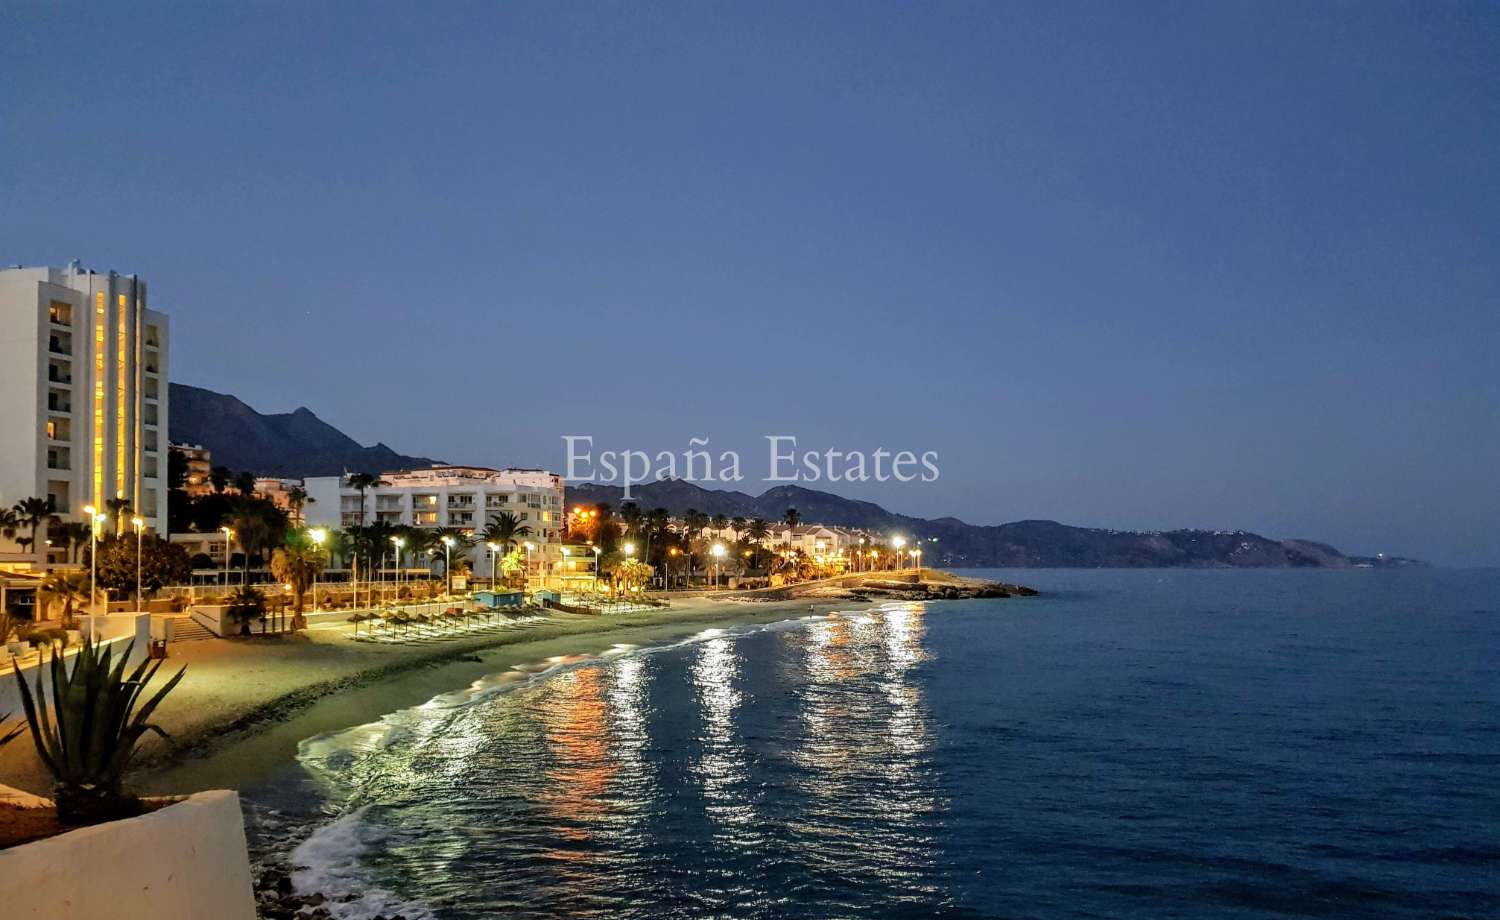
(187, 860)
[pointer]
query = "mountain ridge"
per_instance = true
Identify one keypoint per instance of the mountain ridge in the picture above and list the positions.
(293, 444)
(300, 444)
(1018, 544)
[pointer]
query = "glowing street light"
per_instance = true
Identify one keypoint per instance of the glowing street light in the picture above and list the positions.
(228, 539)
(448, 566)
(398, 542)
(629, 549)
(898, 542)
(140, 527)
(317, 535)
(494, 558)
(718, 554)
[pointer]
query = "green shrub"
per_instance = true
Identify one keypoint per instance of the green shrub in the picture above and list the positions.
(90, 736)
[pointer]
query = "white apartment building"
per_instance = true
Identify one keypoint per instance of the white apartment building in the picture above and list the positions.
(83, 394)
(443, 496)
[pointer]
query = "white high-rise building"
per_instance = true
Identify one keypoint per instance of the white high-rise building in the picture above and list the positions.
(83, 396)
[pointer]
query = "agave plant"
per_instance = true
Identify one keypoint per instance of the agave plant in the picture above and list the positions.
(90, 737)
(6, 737)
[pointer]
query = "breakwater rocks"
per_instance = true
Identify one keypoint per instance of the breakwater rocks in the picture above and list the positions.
(927, 586)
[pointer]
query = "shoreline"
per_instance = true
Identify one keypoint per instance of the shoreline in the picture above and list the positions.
(244, 706)
(259, 743)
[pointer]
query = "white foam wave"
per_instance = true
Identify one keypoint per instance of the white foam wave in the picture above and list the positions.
(328, 863)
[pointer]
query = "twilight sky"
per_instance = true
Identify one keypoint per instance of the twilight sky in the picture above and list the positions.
(1128, 265)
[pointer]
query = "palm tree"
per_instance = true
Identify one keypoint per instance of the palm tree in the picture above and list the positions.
(252, 531)
(363, 482)
(64, 588)
(791, 517)
(70, 534)
(32, 513)
(297, 499)
(757, 531)
(720, 523)
(738, 525)
(244, 482)
(658, 527)
(296, 564)
(452, 546)
(9, 523)
(219, 478)
(631, 514)
(504, 529)
(117, 508)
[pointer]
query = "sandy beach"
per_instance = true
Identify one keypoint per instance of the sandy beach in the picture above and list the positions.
(244, 705)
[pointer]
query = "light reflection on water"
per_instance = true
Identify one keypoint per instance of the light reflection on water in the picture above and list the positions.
(1132, 744)
(732, 775)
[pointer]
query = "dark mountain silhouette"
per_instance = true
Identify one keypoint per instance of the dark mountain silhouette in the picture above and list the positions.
(298, 444)
(292, 444)
(1044, 544)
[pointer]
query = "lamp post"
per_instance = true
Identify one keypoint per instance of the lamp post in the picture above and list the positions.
(93, 514)
(858, 566)
(718, 554)
(494, 559)
(898, 542)
(317, 535)
(140, 528)
(448, 566)
(398, 542)
(597, 551)
(228, 538)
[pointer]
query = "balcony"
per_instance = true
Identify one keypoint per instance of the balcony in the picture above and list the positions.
(57, 375)
(60, 345)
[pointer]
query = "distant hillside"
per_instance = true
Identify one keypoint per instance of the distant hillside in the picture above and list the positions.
(1035, 544)
(293, 444)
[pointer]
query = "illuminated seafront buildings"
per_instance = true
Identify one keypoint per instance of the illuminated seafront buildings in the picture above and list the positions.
(463, 497)
(83, 397)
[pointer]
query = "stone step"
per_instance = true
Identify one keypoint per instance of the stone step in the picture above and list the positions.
(187, 629)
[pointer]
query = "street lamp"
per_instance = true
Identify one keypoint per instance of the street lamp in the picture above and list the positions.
(494, 559)
(228, 538)
(317, 535)
(629, 549)
(597, 551)
(718, 554)
(398, 542)
(140, 527)
(898, 542)
(447, 566)
(857, 563)
(94, 516)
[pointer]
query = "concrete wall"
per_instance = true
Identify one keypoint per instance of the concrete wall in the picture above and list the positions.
(116, 629)
(185, 860)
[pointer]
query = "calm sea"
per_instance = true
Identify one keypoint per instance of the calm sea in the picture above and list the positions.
(1144, 744)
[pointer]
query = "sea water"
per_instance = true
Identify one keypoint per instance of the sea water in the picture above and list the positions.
(1144, 743)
